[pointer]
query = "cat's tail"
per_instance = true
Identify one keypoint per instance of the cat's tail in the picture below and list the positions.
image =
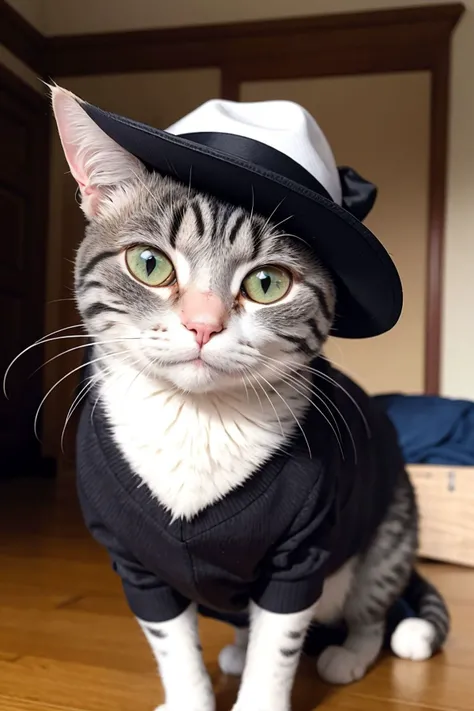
(420, 637)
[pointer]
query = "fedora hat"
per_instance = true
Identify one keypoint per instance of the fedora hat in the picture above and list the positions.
(272, 157)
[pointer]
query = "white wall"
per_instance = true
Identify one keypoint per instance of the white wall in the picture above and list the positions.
(458, 307)
(70, 16)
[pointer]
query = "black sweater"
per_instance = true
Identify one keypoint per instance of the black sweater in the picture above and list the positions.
(273, 540)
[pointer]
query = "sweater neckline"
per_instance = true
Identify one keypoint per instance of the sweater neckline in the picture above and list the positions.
(116, 468)
(119, 472)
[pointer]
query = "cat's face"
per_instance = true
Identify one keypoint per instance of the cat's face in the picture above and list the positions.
(204, 294)
(182, 287)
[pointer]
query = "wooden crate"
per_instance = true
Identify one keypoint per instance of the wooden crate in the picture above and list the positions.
(446, 502)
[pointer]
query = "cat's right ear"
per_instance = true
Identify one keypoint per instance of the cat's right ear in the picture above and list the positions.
(96, 161)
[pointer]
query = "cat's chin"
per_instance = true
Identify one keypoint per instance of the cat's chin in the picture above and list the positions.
(197, 376)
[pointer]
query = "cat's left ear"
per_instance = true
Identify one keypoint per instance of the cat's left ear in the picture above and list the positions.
(96, 161)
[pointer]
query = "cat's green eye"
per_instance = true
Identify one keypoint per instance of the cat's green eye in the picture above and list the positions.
(267, 284)
(150, 266)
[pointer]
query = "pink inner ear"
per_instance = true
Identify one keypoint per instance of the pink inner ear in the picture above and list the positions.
(71, 151)
(65, 107)
(91, 198)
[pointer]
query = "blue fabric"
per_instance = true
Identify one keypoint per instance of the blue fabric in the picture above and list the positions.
(432, 430)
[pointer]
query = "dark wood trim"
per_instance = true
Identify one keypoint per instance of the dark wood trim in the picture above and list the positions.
(29, 459)
(22, 39)
(22, 90)
(387, 40)
(230, 84)
(437, 213)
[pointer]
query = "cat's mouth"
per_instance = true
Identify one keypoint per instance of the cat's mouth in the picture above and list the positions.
(199, 363)
(196, 362)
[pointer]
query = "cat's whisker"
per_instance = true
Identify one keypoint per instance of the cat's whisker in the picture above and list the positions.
(290, 378)
(268, 220)
(321, 395)
(246, 388)
(59, 330)
(328, 378)
(106, 374)
(57, 301)
(278, 224)
(250, 420)
(341, 366)
(51, 340)
(76, 348)
(141, 372)
(224, 427)
(290, 410)
(144, 185)
(103, 374)
(253, 388)
(91, 381)
(253, 203)
(255, 377)
(290, 234)
(58, 382)
(286, 380)
(189, 184)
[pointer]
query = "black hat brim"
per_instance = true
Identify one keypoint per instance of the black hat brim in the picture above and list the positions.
(369, 292)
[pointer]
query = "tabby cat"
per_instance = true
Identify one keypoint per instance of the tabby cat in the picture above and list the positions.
(207, 392)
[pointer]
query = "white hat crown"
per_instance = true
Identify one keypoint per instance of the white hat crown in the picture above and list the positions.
(283, 125)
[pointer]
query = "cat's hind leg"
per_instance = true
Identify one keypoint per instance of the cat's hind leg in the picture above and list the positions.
(380, 577)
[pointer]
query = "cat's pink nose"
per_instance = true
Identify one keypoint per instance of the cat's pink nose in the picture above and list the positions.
(204, 314)
(202, 332)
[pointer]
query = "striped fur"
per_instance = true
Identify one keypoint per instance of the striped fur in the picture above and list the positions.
(241, 409)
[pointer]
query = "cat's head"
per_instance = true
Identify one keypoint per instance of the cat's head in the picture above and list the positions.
(182, 287)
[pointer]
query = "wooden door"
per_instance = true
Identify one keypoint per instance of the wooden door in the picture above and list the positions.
(23, 213)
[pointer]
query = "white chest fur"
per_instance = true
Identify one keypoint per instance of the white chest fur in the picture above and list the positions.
(191, 450)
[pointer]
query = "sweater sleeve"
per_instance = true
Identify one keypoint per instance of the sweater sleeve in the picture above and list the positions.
(293, 575)
(149, 598)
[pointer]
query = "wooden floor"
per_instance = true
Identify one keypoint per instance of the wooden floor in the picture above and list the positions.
(69, 643)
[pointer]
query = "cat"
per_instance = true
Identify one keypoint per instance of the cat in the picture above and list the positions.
(207, 390)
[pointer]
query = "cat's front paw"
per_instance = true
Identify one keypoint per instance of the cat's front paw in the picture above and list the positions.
(255, 705)
(185, 707)
(188, 704)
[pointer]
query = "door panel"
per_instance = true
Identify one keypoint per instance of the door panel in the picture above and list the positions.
(23, 200)
(379, 124)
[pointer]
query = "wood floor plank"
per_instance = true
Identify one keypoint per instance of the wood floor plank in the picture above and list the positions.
(40, 680)
(74, 636)
(68, 641)
(11, 704)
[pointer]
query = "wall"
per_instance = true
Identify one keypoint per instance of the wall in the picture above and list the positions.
(458, 307)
